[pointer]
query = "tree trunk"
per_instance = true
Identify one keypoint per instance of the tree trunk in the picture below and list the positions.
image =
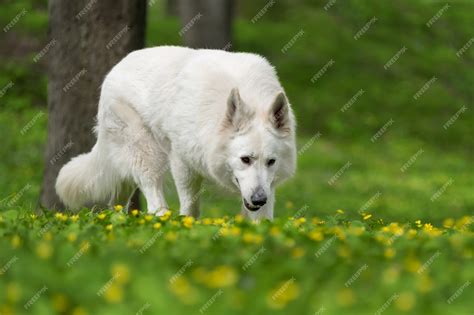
(91, 36)
(207, 23)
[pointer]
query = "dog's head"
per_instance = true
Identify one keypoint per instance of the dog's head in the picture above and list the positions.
(261, 150)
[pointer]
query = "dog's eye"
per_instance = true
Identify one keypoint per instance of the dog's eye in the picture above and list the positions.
(245, 159)
(271, 162)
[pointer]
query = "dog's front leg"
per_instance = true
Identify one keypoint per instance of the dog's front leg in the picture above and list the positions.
(188, 185)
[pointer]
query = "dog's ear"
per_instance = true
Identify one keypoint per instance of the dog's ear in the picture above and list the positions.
(236, 110)
(280, 113)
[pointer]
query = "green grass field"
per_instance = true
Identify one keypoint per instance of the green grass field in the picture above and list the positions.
(114, 263)
(386, 226)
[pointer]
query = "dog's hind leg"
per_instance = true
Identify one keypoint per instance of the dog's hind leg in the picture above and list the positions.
(139, 156)
(124, 196)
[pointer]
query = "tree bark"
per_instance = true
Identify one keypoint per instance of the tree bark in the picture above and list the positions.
(91, 36)
(207, 23)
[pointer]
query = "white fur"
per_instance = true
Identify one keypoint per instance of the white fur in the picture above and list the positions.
(170, 108)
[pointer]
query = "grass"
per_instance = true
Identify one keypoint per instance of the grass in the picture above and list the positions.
(114, 263)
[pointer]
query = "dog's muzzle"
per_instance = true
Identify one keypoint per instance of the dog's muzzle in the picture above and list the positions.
(249, 206)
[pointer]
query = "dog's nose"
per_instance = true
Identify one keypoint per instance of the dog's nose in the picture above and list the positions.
(259, 198)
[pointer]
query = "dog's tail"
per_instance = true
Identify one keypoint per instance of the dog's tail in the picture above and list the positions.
(86, 180)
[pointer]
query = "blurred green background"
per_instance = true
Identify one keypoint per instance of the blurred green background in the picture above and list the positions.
(374, 181)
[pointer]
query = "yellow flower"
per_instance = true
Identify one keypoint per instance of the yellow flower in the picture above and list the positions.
(389, 252)
(428, 227)
(61, 216)
(367, 216)
(16, 241)
(316, 220)
(412, 233)
(221, 276)
(74, 218)
(448, 223)
(412, 264)
(239, 218)
(425, 284)
(297, 252)
(79, 311)
(395, 228)
(71, 237)
(101, 216)
(134, 212)
(346, 296)
(285, 292)
(33, 216)
(141, 221)
(188, 222)
(391, 275)
(48, 236)
(207, 221)
(121, 272)
(184, 290)
(157, 225)
(165, 216)
(275, 231)
(118, 208)
(149, 217)
(405, 301)
(218, 221)
(235, 231)
(60, 302)
(418, 223)
(171, 236)
(13, 292)
(44, 250)
(316, 235)
(252, 238)
(109, 227)
(302, 220)
(114, 294)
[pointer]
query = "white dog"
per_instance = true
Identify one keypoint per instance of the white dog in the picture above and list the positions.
(203, 114)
